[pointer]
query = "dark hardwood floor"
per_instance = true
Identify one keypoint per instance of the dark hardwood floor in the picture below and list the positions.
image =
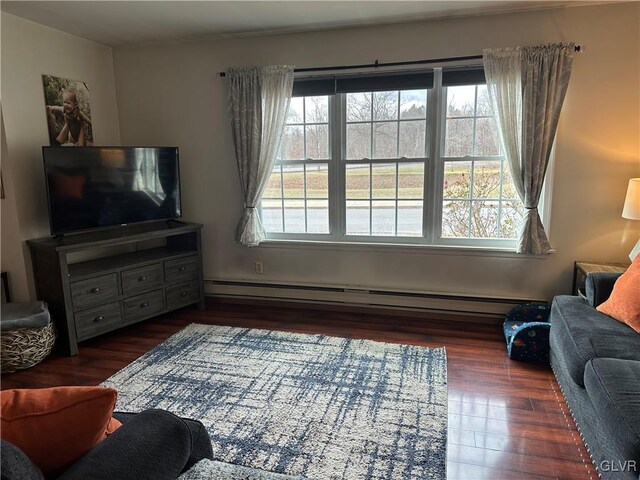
(507, 420)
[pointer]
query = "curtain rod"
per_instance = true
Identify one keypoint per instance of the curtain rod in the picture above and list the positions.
(377, 64)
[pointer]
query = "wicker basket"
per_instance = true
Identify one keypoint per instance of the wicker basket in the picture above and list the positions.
(25, 347)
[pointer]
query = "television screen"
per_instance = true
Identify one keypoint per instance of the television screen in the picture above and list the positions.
(96, 187)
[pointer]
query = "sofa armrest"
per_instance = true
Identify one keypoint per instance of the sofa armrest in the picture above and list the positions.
(153, 445)
(599, 286)
(200, 441)
(15, 465)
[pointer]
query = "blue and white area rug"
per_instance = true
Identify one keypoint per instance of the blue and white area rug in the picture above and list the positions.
(323, 408)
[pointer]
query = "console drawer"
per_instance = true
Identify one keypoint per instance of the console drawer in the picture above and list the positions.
(92, 291)
(142, 278)
(143, 305)
(182, 294)
(97, 320)
(181, 269)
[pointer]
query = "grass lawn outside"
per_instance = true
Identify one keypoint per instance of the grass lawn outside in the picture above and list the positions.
(383, 183)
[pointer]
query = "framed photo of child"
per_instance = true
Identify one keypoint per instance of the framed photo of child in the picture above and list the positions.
(68, 112)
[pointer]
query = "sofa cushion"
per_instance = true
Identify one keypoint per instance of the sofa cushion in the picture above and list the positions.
(580, 333)
(613, 386)
(56, 426)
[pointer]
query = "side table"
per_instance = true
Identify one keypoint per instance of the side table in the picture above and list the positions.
(581, 269)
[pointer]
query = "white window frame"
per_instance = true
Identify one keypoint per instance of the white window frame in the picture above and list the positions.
(438, 177)
(393, 239)
(434, 163)
(309, 161)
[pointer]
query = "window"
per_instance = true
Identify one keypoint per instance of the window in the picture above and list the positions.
(385, 196)
(384, 159)
(296, 199)
(478, 196)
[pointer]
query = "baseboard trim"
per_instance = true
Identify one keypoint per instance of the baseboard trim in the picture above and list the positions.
(481, 306)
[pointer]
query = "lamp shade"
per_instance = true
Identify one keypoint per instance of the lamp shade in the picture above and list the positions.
(631, 208)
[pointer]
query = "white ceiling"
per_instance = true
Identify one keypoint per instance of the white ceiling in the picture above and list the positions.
(118, 23)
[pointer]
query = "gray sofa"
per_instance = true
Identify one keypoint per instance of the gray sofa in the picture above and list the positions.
(150, 445)
(596, 361)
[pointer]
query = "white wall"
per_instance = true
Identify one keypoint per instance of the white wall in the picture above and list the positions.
(172, 94)
(12, 258)
(28, 51)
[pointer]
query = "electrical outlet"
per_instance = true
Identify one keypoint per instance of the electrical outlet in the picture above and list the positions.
(259, 267)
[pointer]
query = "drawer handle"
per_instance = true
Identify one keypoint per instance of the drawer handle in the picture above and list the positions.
(182, 269)
(95, 290)
(99, 318)
(144, 304)
(183, 293)
(142, 278)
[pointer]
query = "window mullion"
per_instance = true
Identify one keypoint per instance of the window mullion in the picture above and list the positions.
(304, 129)
(432, 208)
(499, 229)
(395, 232)
(306, 206)
(398, 127)
(475, 121)
(471, 192)
(373, 154)
(336, 167)
(284, 229)
(371, 199)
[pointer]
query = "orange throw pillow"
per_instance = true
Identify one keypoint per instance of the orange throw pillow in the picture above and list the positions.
(54, 427)
(624, 302)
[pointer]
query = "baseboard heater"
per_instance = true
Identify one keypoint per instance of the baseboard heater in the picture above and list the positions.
(438, 302)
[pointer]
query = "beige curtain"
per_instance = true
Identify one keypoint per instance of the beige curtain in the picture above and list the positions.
(527, 86)
(259, 100)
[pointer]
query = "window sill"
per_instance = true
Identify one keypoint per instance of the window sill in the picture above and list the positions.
(400, 248)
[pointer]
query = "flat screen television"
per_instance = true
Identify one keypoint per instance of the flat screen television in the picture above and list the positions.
(97, 187)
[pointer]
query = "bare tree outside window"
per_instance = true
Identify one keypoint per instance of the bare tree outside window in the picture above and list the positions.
(478, 196)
